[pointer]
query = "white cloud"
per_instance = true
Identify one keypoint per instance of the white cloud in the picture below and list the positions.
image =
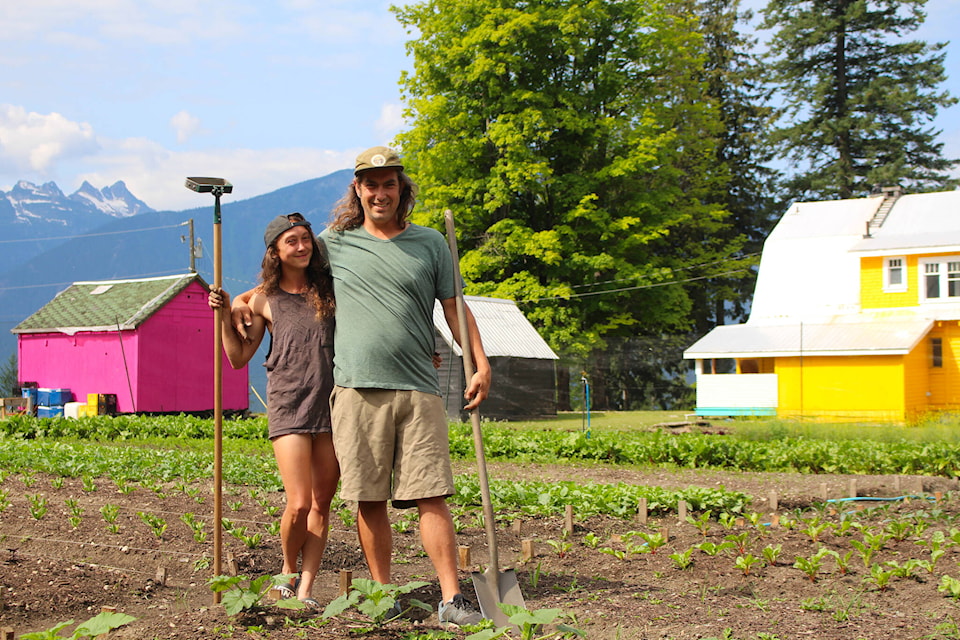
(37, 142)
(186, 125)
(156, 175)
(391, 120)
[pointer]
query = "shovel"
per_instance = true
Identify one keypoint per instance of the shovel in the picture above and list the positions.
(492, 585)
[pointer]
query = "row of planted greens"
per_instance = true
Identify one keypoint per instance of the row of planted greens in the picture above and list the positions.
(507, 443)
(149, 466)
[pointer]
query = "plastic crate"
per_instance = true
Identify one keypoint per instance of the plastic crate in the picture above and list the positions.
(49, 412)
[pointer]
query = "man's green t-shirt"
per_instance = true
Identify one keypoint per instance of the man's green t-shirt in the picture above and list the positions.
(385, 291)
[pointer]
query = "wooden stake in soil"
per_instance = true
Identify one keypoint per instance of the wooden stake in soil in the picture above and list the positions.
(6, 633)
(681, 511)
(665, 532)
(642, 511)
(346, 579)
(162, 576)
(852, 488)
(517, 527)
(108, 609)
(528, 552)
(774, 502)
(232, 567)
(823, 492)
(775, 521)
(464, 553)
(568, 519)
(896, 485)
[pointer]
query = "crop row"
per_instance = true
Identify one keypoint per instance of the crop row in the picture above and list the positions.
(125, 464)
(657, 448)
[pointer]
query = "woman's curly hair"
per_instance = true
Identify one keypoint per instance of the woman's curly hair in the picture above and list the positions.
(319, 291)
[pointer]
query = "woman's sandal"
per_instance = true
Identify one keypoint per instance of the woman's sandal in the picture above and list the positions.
(285, 591)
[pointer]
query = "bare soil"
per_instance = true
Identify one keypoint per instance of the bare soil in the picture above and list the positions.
(51, 571)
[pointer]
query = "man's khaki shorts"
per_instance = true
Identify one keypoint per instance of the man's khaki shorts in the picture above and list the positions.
(391, 438)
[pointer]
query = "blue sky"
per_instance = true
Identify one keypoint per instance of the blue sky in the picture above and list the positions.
(264, 94)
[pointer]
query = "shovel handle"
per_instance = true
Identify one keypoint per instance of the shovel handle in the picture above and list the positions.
(493, 571)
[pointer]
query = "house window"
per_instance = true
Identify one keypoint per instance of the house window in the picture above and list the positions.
(940, 279)
(895, 274)
(936, 352)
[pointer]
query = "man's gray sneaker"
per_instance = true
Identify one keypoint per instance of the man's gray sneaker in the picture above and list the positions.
(458, 611)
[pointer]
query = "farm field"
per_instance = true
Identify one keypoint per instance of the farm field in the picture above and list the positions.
(94, 520)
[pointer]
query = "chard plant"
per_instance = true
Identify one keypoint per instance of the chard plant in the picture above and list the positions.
(4, 500)
(745, 563)
(654, 540)
(196, 526)
(899, 530)
(110, 513)
(273, 527)
(701, 522)
(727, 520)
(811, 564)
(38, 506)
(713, 549)
(739, 541)
(683, 559)
(28, 480)
(56, 482)
(864, 551)
(771, 553)
(619, 554)
(561, 547)
(123, 486)
(88, 485)
(814, 529)
(950, 586)
(879, 576)
(591, 540)
(157, 524)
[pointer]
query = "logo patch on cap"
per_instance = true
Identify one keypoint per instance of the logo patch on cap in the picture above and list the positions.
(378, 160)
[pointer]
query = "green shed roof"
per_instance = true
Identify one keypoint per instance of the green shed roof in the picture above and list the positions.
(107, 305)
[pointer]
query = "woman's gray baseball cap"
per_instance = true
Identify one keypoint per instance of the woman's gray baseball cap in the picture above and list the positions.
(280, 224)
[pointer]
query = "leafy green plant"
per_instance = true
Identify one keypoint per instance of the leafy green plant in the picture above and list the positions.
(530, 624)
(879, 576)
(374, 601)
(739, 540)
(196, 526)
(682, 559)
(771, 553)
(701, 522)
(4, 500)
(98, 625)
(950, 586)
(619, 554)
(811, 564)
(244, 598)
(88, 484)
(591, 540)
(110, 513)
(745, 563)
(273, 527)
(56, 482)
(714, 549)
(157, 524)
(38, 506)
(561, 547)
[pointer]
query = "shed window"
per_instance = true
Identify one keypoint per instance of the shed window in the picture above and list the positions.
(940, 279)
(894, 275)
(936, 352)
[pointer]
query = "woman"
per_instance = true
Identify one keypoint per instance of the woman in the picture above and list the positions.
(295, 303)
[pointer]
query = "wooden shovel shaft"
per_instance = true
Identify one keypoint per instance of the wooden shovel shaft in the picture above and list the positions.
(493, 571)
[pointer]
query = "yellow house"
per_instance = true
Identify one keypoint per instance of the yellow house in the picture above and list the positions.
(855, 316)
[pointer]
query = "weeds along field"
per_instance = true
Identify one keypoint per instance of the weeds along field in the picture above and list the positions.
(752, 529)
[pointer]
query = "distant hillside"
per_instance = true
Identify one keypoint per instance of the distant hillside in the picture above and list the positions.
(154, 244)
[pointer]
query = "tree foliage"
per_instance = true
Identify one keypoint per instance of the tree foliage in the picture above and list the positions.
(576, 146)
(859, 97)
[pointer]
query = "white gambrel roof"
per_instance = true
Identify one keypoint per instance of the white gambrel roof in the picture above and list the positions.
(504, 329)
(807, 298)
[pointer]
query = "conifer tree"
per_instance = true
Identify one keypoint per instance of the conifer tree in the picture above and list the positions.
(859, 97)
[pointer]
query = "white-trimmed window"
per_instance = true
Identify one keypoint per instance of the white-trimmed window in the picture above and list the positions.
(940, 279)
(895, 274)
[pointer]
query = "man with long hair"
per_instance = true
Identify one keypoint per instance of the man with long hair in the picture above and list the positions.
(389, 423)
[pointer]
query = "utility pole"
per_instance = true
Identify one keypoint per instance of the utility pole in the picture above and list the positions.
(193, 245)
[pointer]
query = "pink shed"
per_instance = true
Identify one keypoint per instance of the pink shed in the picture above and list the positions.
(148, 341)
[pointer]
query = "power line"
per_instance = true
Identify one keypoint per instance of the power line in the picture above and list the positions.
(642, 286)
(92, 235)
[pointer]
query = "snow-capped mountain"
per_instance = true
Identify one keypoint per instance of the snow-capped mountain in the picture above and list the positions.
(86, 207)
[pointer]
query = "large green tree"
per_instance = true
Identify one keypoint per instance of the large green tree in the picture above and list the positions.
(859, 97)
(576, 145)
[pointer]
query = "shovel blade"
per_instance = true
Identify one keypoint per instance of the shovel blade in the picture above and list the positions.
(492, 590)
